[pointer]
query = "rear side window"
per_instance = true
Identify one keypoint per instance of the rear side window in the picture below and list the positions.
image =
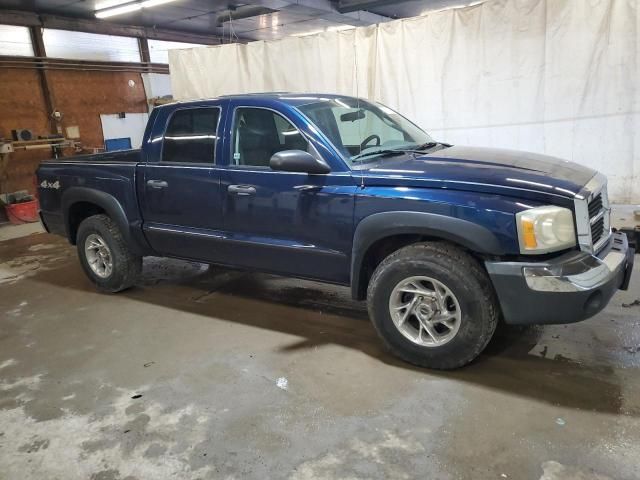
(191, 136)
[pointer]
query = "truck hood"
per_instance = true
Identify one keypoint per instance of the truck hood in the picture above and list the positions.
(482, 169)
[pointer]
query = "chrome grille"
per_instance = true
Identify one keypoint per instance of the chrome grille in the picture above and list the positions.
(592, 215)
(596, 218)
(595, 205)
(597, 230)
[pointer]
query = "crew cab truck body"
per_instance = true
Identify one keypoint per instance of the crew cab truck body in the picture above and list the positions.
(441, 240)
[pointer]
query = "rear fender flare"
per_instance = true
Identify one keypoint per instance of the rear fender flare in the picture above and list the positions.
(107, 202)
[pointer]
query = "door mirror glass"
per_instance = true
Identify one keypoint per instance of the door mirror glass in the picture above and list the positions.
(298, 161)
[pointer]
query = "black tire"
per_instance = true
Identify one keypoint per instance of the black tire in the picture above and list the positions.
(126, 265)
(463, 276)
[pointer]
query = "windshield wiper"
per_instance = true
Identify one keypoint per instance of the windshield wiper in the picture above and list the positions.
(383, 153)
(428, 145)
(387, 152)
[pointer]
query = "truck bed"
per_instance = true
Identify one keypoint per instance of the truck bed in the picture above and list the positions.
(125, 156)
(63, 181)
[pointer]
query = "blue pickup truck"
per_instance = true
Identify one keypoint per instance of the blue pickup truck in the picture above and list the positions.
(442, 241)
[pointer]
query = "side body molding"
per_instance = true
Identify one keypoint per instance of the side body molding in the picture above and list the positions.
(111, 206)
(386, 224)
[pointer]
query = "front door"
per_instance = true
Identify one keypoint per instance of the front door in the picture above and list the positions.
(284, 222)
(180, 198)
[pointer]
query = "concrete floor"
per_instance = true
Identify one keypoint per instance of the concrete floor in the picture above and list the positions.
(199, 374)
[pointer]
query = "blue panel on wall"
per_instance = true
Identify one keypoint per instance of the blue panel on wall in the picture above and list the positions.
(117, 144)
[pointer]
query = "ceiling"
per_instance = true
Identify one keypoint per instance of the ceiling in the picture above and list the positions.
(210, 17)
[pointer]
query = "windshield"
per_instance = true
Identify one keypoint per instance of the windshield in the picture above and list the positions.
(364, 131)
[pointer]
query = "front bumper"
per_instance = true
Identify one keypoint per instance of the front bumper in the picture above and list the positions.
(567, 289)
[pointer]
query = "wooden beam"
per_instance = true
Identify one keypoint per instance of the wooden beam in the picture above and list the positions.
(143, 47)
(15, 17)
(39, 51)
(30, 19)
(48, 63)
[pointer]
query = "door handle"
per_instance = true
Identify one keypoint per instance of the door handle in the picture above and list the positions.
(308, 188)
(242, 190)
(157, 184)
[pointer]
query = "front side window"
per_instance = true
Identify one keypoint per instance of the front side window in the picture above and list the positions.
(191, 136)
(359, 128)
(259, 133)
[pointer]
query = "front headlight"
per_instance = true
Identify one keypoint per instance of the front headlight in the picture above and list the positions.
(545, 229)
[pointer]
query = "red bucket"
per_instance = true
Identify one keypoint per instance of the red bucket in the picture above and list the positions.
(24, 212)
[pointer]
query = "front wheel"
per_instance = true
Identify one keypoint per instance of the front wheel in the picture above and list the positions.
(105, 256)
(433, 305)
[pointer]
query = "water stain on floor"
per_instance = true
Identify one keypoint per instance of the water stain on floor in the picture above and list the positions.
(181, 377)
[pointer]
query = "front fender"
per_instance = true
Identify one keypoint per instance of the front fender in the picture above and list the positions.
(377, 226)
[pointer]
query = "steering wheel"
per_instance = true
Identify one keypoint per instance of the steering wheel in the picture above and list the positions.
(366, 141)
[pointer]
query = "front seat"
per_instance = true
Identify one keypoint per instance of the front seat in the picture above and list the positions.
(257, 138)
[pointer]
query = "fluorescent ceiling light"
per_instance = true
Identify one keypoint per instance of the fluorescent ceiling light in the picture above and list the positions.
(101, 5)
(110, 12)
(129, 7)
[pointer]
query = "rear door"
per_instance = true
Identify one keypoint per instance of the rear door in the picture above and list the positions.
(180, 186)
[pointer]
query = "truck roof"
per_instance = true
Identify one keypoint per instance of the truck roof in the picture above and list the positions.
(291, 98)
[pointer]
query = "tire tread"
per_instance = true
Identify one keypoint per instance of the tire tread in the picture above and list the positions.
(458, 260)
(127, 266)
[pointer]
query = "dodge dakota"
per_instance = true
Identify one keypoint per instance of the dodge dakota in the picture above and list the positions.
(442, 241)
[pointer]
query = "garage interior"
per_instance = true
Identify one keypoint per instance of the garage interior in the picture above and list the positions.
(205, 372)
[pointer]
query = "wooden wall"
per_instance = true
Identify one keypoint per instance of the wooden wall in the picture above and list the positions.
(22, 106)
(80, 95)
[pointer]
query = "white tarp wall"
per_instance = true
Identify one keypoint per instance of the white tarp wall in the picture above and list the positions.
(560, 77)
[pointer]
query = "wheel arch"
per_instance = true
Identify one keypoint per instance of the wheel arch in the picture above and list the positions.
(380, 234)
(79, 203)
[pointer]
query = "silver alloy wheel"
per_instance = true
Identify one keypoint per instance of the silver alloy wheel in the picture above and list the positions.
(425, 311)
(98, 255)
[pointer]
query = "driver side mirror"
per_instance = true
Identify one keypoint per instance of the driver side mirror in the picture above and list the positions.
(298, 161)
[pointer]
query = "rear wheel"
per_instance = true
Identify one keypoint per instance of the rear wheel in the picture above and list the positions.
(433, 305)
(104, 254)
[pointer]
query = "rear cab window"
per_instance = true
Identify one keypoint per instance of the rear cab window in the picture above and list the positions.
(191, 136)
